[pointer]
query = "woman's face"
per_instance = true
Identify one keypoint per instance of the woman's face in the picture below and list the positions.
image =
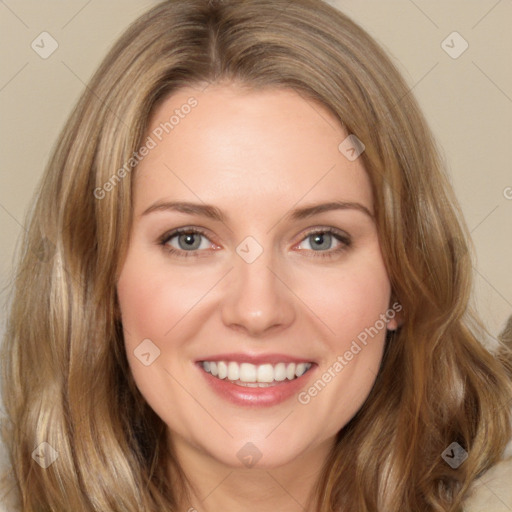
(267, 279)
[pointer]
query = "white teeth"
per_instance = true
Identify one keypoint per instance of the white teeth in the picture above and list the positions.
(247, 372)
(265, 373)
(280, 372)
(233, 371)
(250, 375)
(222, 368)
(300, 370)
(290, 371)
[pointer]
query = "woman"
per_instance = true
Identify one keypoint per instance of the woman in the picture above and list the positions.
(245, 272)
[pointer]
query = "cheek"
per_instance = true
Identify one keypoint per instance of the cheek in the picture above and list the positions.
(153, 298)
(350, 303)
(152, 301)
(349, 300)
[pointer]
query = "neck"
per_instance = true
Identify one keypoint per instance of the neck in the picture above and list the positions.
(214, 486)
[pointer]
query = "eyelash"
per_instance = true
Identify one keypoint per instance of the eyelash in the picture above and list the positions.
(344, 239)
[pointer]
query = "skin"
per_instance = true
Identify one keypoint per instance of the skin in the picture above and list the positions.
(255, 155)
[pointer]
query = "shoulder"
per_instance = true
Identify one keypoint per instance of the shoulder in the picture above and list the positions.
(492, 492)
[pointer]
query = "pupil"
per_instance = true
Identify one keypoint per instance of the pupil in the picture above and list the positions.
(188, 241)
(322, 240)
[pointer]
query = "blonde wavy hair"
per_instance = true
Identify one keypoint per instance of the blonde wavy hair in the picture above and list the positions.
(66, 379)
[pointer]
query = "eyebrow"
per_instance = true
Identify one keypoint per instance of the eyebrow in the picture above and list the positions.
(214, 213)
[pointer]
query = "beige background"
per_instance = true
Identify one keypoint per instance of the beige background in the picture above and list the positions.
(467, 100)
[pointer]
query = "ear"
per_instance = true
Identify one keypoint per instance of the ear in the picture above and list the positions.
(395, 315)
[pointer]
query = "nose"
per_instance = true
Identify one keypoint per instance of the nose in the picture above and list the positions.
(257, 298)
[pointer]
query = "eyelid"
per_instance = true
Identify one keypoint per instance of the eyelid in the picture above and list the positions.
(178, 231)
(168, 235)
(325, 229)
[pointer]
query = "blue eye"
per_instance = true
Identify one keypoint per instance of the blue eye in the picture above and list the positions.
(321, 242)
(185, 242)
(188, 242)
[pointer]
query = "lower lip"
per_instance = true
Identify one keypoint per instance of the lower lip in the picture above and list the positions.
(249, 396)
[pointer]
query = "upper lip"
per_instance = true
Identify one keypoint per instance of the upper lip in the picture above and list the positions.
(256, 359)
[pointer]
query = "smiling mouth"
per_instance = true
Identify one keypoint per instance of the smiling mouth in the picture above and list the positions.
(255, 376)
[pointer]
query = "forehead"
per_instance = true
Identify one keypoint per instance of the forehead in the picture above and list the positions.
(270, 146)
